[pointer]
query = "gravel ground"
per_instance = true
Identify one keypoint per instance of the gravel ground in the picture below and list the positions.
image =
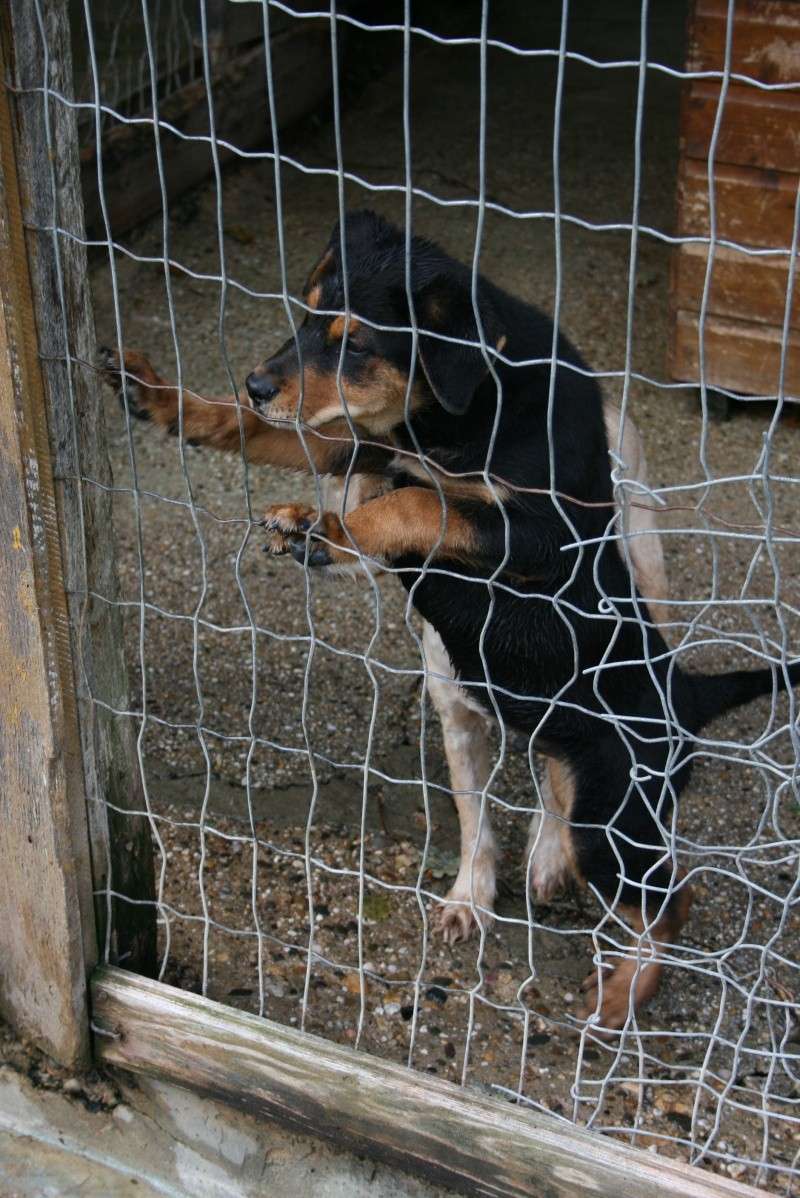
(241, 685)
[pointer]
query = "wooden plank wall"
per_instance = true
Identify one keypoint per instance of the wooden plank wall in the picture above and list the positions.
(756, 178)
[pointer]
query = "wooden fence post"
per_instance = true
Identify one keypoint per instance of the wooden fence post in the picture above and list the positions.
(63, 750)
(47, 938)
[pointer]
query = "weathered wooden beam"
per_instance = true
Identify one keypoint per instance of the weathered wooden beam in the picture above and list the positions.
(443, 1132)
(301, 69)
(46, 925)
(49, 187)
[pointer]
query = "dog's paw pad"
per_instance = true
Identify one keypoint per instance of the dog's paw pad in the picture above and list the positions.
(318, 554)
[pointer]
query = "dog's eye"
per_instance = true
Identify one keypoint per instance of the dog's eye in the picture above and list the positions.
(358, 351)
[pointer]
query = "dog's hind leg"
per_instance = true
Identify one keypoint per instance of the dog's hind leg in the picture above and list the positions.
(622, 840)
(614, 994)
(549, 839)
(466, 742)
(639, 520)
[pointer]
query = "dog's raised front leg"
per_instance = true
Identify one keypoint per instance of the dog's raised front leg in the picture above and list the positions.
(222, 423)
(466, 744)
(408, 521)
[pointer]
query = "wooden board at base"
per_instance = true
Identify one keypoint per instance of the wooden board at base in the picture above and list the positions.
(446, 1133)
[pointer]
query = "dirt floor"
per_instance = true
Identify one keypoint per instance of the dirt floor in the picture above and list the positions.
(277, 810)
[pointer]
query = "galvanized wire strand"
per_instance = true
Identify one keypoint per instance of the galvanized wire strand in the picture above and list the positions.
(290, 317)
(417, 192)
(223, 296)
(637, 727)
(521, 51)
(558, 596)
(698, 1153)
(416, 639)
(375, 590)
(619, 490)
(498, 501)
(297, 301)
(165, 233)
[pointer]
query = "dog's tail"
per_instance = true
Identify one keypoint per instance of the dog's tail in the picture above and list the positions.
(717, 693)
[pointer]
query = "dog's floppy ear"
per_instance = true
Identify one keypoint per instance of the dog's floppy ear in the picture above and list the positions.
(454, 372)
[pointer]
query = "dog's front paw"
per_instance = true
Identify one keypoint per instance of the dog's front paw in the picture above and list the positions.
(469, 904)
(285, 524)
(288, 526)
(312, 539)
(138, 375)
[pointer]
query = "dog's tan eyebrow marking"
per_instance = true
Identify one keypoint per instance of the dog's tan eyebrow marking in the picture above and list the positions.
(337, 327)
(322, 268)
(313, 288)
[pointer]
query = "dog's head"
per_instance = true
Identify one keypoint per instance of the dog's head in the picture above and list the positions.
(362, 364)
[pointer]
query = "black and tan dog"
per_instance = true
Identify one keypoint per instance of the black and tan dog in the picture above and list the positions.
(494, 509)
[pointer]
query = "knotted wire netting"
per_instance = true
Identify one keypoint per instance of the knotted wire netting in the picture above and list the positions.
(292, 767)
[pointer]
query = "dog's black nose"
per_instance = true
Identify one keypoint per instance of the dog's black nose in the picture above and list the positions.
(260, 388)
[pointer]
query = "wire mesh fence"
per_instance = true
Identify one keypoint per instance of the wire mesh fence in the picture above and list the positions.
(309, 864)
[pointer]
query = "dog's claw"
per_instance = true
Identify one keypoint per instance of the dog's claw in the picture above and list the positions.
(108, 365)
(455, 922)
(276, 524)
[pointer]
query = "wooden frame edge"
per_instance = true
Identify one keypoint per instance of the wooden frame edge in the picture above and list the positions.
(113, 808)
(429, 1126)
(47, 932)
